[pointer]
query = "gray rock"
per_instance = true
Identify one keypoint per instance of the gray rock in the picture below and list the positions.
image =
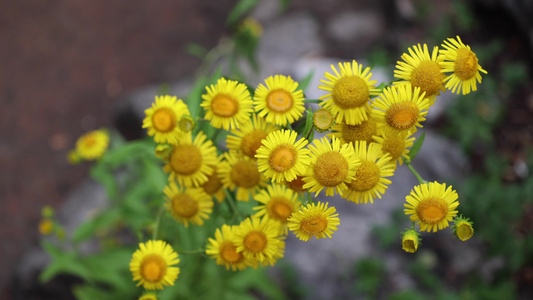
(365, 27)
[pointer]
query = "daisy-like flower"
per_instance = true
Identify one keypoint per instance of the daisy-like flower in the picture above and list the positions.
(314, 220)
(431, 205)
(349, 92)
(370, 178)
(279, 203)
(297, 185)
(332, 166)
(410, 240)
(239, 172)
(188, 205)
(352, 133)
(190, 161)
(162, 119)
(93, 144)
(214, 186)
(259, 240)
(396, 145)
(399, 110)
(148, 296)
(227, 104)
(323, 119)
(462, 61)
(223, 248)
(152, 265)
(279, 102)
(249, 136)
(421, 70)
(46, 226)
(463, 228)
(281, 157)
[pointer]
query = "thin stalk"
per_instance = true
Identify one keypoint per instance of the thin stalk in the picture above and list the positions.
(232, 205)
(157, 222)
(418, 177)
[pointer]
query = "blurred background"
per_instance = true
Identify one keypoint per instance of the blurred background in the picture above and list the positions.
(67, 67)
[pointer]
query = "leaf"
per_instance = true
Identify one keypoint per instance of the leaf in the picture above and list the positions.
(196, 50)
(416, 146)
(103, 221)
(239, 10)
(304, 83)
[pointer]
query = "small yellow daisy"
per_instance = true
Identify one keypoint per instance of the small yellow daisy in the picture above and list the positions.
(396, 145)
(93, 144)
(314, 220)
(46, 226)
(323, 120)
(223, 248)
(214, 186)
(227, 104)
(332, 166)
(239, 172)
(162, 119)
(148, 296)
(462, 61)
(463, 228)
(281, 157)
(279, 203)
(152, 265)
(410, 240)
(370, 178)
(259, 240)
(249, 136)
(352, 133)
(431, 205)
(349, 92)
(279, 102)
(189, 161)
(188, 204)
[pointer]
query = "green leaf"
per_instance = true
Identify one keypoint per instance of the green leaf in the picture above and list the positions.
(304, 83)
(196, 50)
(239, 10)
(308, 122)
(416, 146)
(88, 229)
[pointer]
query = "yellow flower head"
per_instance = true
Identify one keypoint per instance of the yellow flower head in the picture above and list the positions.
(399, 110)
(152, 265)
(431, 205)
(281, 157)
(188, 204)
(162, 119)
(323, 119)
(239, 172)
(463, 228)
(462, 61)
(214, 186)
(227, 104)
(249, 136)
(297, 185)
(46, 226)
(279, 203)
(314, 220)
(251, 25)
(352, 133)
(421, 70)
(332, 166)
(259, 240)
(148, 296)
(410, 240)
(370, 181)
(223, 248)
(279, 102)
(189, 161)
(396, 145)
(93, 144)
(349, 92)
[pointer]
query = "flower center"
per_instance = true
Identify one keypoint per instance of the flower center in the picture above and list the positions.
(213, 184)
(465, 64)
(255, 241)
(279, 101)
(323, 119)
(245, 174)
(394, 145)
(428, 77)
(297, 184)
(229, 253)
(403, 115)
(164, 119)
(153, 268)
(279, 208)
(350, 92)
(432, 210)
(186, 159)
(89, 141)
(224, 106)
(367, 177)
(283, 158)
(314, 225)
(252, 141)
(331, 169)
(184, 206)
(361, 132)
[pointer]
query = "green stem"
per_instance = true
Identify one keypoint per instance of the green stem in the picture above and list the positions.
(418, 177)
(157, 222)
(199, 251)
(232, 205)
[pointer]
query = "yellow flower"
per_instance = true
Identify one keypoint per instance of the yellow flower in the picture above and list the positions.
(332, 166)
(214, 186)
(188, 204)
(189, 161)
(148, 296)
(46, 226)
(73, 157)
(352, 133)
(281, 157)
(370, 181)
(279, 102)
(431, 205)
(223, 248)
(410, 240)
(227, 104)
(297, 185)
(323, 119)
(462, 61)
(259, 240)
(152, 265)
(396, 145)
(251, 25)
(249, 136)
(463, 228)
(239, 172)
(93, 144)
(279, 203)
(421, 70)
(399, 110)
(314, 220)
(349, 92)
(163, 118)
